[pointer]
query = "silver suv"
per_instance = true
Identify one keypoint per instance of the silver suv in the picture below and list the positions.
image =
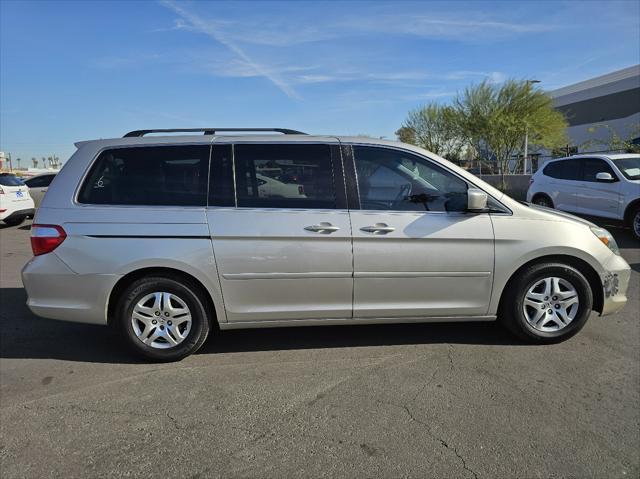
(168, 238)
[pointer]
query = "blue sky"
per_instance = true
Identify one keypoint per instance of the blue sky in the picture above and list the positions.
(81, 70)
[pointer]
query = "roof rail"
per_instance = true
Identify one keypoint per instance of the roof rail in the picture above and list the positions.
(210, 131)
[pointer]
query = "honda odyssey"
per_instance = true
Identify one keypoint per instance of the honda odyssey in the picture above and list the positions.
(171, 238)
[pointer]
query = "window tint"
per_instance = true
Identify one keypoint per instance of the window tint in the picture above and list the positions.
(563, 170)
(395, 180)
(159, 175)
(7, 179)
(40, 181)
(284, 176)
(593, 166)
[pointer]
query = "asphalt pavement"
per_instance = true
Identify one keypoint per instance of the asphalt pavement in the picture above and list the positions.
(432, 400)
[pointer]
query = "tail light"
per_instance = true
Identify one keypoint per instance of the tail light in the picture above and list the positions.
(301, 190)
(46, 238)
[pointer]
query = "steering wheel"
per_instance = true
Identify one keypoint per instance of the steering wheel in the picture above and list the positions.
(405, 192)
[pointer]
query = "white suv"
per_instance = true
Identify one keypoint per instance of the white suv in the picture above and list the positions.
(170, 238)
(15, 201)
(604, 186)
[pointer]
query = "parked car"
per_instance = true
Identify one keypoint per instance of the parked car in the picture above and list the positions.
(604, 186)
(15, 202)
(38, 186)
(168, 238)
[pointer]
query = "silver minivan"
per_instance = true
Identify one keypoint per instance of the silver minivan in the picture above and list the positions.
(169, 238)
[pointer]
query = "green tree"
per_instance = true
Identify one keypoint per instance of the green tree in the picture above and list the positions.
(433, 127)
(612, 140)
(496, 118)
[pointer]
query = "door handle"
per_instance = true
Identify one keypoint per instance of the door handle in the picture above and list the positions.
(323, 228)
(378, 229)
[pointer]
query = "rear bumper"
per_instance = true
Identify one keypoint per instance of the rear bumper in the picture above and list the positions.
(55, 291)
(17, 214)
(615, 282)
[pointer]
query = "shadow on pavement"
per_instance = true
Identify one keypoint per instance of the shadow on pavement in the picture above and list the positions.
(24, 335)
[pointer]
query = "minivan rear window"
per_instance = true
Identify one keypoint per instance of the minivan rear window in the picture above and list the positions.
(156, 175)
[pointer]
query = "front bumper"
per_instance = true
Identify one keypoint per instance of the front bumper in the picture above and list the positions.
(615, 282)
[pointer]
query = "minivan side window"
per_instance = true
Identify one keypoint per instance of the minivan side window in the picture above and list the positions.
(390, 179)
(284, 176)
(593, 166)
(154, 175)
(564, 170)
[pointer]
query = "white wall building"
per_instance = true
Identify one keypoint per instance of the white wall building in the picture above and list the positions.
(612, 100)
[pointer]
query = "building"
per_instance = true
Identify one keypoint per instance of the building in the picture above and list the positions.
(599, 107)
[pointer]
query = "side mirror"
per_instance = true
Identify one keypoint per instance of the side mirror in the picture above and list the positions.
(604, 177)
(476, 200)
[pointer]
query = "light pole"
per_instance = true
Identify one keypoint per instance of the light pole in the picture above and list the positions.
(526, 132)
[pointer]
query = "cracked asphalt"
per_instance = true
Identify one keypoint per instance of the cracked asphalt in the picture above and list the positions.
(445, 401)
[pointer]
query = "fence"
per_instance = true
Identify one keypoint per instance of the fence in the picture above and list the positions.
(515, 185)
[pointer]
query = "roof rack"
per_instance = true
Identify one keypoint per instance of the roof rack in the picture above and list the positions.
(211, 131)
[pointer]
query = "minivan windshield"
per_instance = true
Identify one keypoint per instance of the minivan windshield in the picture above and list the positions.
(629, 167)
(7, 179)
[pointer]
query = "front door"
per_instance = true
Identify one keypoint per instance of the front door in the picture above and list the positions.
(594, 197)
(282, 239)
(417, 253)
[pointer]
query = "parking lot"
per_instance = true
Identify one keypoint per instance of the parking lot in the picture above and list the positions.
(451, 400)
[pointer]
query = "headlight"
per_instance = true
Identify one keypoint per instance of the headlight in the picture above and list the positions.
(606, 237)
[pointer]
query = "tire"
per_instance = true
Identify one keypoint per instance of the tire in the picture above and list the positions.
(15, 221)
(542, 200)
(162, 299)
(518, 315)
(635, 223)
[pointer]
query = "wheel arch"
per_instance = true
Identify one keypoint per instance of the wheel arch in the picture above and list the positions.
(167, 272)
(540, 194)
(592, 276)
(631, 207)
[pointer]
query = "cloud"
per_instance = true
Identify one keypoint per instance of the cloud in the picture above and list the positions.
(442, 27)
(212, 30)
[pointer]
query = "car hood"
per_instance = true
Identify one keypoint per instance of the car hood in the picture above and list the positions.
(556, 214)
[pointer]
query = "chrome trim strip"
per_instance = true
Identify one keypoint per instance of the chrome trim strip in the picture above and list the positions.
(422, 274)
(351, 321)
(312, 275)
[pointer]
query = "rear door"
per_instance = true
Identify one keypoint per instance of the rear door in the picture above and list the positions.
(564, 178)
(594, 197)
(282, 237)
(417, 253)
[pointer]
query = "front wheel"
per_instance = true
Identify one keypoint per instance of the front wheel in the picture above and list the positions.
(547, 303)
(162, 319)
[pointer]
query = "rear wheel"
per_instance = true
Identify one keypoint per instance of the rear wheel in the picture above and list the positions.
(162, 319)
(15, 220)
(542, 200)
(547, 303)
(635, 223)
